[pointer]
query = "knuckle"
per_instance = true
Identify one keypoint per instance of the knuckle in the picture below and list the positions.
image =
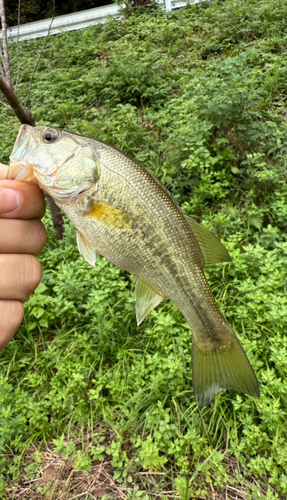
(32, 274)
(11, 315)
(16, 314)
(39, 236)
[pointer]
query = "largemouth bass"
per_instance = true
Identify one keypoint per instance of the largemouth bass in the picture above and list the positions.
(121, 211)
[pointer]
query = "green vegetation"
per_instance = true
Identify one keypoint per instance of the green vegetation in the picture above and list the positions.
(198, 96)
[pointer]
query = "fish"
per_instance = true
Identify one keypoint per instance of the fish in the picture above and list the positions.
(122, 211)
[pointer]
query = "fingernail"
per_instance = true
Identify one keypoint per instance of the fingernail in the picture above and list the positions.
(9, 200)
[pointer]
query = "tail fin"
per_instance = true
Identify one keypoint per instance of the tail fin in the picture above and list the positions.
(218, 368)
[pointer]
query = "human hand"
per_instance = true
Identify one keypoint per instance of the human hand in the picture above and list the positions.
(22, 236)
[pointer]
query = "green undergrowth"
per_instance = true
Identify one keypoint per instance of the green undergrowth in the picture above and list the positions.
(198, 96)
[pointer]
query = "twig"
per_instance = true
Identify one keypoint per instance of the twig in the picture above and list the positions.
(177, 414)
(6, 138)
(167, 493)
(86, 109)
(2, 65)
(40, 55)
(6, 105)
(152, 473)
(23, 115)
(80, 495)
(238, 491)
(57, 217)
(5, 44)
(18, 64)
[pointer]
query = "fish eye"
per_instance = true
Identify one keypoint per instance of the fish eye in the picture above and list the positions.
(50, 135)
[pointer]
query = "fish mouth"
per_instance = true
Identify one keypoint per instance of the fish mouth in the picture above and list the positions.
(20, 169)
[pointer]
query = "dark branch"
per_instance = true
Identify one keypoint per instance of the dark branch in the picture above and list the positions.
(23, 114)
(13, 103)
(57, 217)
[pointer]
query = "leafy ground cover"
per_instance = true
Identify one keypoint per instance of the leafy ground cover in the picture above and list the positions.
(90, 405)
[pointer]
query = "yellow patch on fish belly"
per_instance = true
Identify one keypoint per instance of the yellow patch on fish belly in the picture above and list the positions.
(109, 215)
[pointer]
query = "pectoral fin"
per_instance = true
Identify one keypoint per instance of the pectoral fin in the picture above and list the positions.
(86, 250)
(109, 215)
(146, 299)
(212, 249)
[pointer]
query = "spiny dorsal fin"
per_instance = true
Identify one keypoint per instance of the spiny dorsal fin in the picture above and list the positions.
(212, 249)
(146, 299)
(86, 250)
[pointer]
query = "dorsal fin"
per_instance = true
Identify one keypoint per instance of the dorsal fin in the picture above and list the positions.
(212, 249)
(146, 299)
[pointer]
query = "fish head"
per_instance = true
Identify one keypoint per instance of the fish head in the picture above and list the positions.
(62, 163)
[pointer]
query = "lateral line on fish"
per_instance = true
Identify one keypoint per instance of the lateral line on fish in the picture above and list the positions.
(136, 190)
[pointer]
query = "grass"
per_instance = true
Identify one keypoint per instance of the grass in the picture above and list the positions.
(88, 400)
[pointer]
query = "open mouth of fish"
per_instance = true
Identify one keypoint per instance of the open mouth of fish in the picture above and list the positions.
(20, 168)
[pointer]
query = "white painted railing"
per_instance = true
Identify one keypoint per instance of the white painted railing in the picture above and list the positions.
(69, 22)
(77, 20)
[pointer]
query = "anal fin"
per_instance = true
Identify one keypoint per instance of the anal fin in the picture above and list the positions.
(86, 250)
(146, 299)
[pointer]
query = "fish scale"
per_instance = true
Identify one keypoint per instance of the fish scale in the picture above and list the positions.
(123, 212)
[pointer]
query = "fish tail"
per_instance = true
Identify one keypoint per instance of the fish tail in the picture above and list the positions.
(221, 364)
